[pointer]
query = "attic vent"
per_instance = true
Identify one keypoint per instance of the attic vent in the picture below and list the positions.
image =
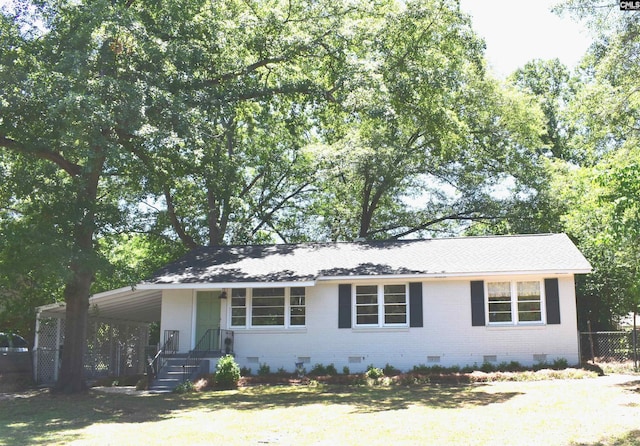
(355, 359)
(433, 359)
(253, 360)
(304, 359)
(490, 358)
(540, 358)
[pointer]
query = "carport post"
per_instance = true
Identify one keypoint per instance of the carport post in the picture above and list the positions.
(36, 343)
(56, 356)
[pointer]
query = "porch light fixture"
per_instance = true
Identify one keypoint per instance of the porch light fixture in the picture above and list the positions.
(223, 295)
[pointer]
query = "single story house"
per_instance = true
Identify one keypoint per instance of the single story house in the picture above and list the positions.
(451, 301)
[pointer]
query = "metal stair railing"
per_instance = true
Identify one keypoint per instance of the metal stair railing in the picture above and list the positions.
(211, 341)
(170, 347)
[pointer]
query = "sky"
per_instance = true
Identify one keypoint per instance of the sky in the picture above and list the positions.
(516, 32)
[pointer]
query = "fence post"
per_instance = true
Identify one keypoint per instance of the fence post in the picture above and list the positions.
(635, 342)
(593, 354)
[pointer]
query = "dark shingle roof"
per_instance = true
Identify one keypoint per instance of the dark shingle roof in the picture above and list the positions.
(463, 256)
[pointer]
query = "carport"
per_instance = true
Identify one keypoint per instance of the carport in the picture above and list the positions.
(117, 334)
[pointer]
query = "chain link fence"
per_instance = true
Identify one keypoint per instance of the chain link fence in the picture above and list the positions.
(114, 348)
(609, 346)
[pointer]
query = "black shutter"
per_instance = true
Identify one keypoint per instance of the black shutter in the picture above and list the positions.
(552, 300)
(415, 304)
(344, 305)
(477, 303)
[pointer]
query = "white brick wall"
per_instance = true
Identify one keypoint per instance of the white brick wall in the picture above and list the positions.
(447, 337)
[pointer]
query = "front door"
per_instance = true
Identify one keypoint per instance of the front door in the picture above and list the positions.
(208, 318)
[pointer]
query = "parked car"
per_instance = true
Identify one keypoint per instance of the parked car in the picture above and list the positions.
(15, 356)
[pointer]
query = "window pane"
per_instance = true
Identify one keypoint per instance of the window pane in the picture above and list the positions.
(499, 289)
(533, 316)
(499, 317)
(297, 306)
(394, 289)
(267, 292)
(395, 304)
(368, 310)
(529, 306)
(367, 304)
(268, 302)
(395, 319)
(368, 320)
(267, 307)
(368, 289)
(499, 301)
(238, 307)
(238, 301)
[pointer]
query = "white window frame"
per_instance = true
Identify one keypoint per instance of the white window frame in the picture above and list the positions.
(287, 311)
(381, 306)
(513, 288)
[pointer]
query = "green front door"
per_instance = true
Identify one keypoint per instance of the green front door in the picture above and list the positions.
(208, 318)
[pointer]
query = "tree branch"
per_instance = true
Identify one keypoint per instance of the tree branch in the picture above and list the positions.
(71, 168)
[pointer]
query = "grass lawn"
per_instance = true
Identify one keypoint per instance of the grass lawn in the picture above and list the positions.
(592, 411)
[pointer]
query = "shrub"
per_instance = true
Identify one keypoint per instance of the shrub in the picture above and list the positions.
(513, 366)
(487, 367)
(264, 369)
(244, 371)
(374, 373)
(281, 371)
(560, 364)
(227, 373)
(345, 370)
(390, 370)
(318, 370)
(331, 370)
(184, 387)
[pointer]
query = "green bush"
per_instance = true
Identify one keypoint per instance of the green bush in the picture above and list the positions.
(513, 366)
(374, 373)
(184, 387)
(227, 373)
(244, 371)
(390, 370)
(264, 370)
(321, 370)
(331, 370)
(345, 370)
(487, 367)
(318, 370)
(560, 364)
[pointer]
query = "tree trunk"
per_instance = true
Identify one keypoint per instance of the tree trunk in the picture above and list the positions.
(76, 294)
(78, 286)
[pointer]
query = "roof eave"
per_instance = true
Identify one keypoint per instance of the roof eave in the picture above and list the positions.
(310, 283)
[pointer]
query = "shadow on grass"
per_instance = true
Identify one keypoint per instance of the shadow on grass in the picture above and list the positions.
(41, 417)
(631, 438)
(364, 399)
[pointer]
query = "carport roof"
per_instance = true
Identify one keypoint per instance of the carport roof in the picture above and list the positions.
(123, 304)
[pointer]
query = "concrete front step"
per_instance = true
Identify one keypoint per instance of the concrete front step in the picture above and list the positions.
(173, 374)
